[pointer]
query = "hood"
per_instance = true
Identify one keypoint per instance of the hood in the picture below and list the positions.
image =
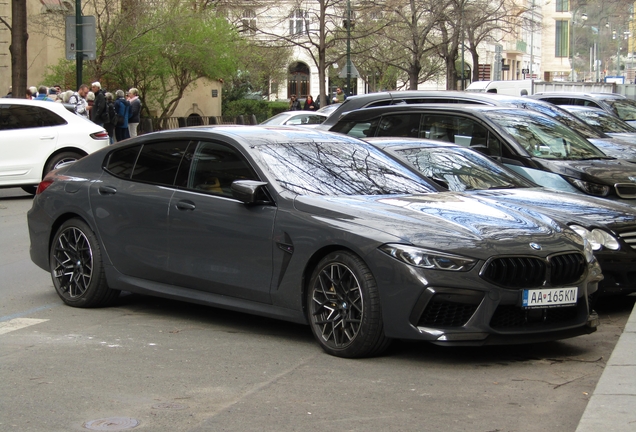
(616, 148)
(564, 207)
(602, 171)
(449, 221)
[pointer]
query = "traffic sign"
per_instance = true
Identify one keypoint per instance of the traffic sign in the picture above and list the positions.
(89, 45)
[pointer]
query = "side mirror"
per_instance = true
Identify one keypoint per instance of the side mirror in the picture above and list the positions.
(249, 191)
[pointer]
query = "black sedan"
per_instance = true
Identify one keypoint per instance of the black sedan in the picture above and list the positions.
(529, 142)
(610, 227)
(309, 227)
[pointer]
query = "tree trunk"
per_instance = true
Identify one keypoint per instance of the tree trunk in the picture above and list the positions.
(18, 48)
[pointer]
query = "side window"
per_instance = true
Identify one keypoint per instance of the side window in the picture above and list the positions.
(588, 103)
(357, 129)
(120, 163)
(25, 117)
(158, 162)
(214, 166)
(399, 125)
(438, 127)
(560, 100)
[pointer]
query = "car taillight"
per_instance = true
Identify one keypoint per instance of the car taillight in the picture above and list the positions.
(100, 135)
(46, 182)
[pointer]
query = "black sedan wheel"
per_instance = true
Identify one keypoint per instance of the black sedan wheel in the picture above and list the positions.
(344, 307)
(76, 267)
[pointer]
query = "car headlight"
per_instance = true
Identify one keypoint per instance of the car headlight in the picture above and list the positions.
(597, 238)
(428, 259)
(590, 188)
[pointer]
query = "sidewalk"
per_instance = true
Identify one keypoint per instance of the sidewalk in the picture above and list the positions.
(612, 406)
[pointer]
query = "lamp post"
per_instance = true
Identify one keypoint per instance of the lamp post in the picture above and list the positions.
(572, 44)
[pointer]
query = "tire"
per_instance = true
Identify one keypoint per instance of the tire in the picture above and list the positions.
(59, 159)
(344, 307)
(76, 267)
(30, 189)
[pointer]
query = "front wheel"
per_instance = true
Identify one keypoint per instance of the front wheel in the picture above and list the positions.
(76, 267)
(344, 307)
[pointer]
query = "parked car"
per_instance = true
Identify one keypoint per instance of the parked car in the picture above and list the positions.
(296, 118)
(610, 146)
(310, 227)
(603, 122)
(527, 141)
(328, 109)
(613, 103)
(37, 137)
(609, 227)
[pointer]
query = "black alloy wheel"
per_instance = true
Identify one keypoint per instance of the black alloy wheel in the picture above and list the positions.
(344, 307)
(76, 267)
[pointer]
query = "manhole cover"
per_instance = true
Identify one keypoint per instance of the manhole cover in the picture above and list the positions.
(169, 406)
(112, 424)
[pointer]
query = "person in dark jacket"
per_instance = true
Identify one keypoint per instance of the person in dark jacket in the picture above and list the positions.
(109, 125)
(310, 105)
(99, 112)
(122, 108)
(294, 103)
(135, 111)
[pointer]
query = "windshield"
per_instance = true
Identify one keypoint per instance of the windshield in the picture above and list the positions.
(461, 169)
(563, 116)
(339, 168)
(544, 137)
(625, 109)
(604, 121)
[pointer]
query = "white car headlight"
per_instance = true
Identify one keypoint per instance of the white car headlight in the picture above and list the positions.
(597, 238)
(428, 259)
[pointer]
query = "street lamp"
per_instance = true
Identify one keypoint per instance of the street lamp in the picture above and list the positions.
(583, 17)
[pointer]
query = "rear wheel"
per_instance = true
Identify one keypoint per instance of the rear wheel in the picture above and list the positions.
(76, 267)
(59, 160)
(344, 307)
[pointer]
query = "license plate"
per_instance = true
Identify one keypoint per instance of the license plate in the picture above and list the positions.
(549, 297)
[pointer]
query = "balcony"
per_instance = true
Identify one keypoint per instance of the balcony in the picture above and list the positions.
(518, 46)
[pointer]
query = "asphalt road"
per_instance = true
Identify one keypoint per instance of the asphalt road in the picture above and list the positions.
(170, 366)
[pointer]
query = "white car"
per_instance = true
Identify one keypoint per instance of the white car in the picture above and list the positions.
(296, 118)
(38, 136)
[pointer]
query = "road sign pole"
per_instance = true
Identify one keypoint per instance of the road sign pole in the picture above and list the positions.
(78, 42)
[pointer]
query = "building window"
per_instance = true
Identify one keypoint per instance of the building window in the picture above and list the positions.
(248, 22)
(562, 5)
(298, 22)
(561, 38)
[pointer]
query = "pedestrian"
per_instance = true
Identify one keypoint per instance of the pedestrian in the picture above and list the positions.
(34, 92)
(78, 99)
(135, 111)
(10, 94)
(90, 101)
(310, 105)
(340, 96)
(294, 103)
(42, 94)
(28, 94)
(110, 124)
(99, 112)
(53, 94)
(122, 108)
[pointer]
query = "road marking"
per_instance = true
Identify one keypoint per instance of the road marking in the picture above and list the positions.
(18, 323)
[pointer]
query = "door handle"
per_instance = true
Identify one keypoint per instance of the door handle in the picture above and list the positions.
(186, 205)
(107, 190)
(47, 137)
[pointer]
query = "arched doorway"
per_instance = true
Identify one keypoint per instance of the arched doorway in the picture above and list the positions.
(298, 80)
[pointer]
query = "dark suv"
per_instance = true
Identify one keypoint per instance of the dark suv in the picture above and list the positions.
(527, 141)
(613, 103)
